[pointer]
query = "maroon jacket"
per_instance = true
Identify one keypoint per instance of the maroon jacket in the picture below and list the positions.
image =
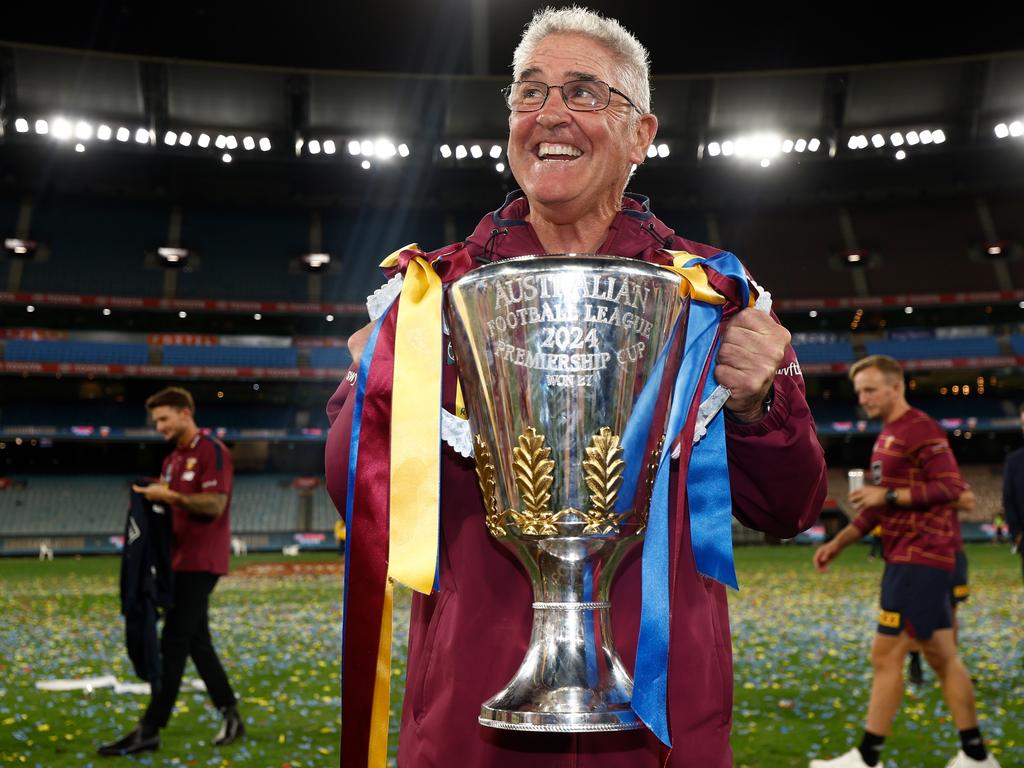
(467, 640)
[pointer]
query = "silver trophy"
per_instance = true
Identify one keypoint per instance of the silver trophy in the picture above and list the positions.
(553, 352)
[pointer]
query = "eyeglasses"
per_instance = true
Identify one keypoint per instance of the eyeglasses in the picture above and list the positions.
(578, 95)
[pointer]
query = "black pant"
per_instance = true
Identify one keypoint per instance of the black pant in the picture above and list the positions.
(187, 633)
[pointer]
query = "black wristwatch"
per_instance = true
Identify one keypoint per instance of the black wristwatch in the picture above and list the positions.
(890, 497)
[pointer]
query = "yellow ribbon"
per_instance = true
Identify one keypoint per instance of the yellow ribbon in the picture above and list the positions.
(392, 258)
(377, 753)
(416, 429)
(695, 279)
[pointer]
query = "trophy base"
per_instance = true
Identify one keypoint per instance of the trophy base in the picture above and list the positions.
(619, 719)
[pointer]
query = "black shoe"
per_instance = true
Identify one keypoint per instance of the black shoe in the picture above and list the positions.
(916, 673)
(141, 739)
(232, 729)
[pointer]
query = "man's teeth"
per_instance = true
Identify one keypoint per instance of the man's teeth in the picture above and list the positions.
(559, 149)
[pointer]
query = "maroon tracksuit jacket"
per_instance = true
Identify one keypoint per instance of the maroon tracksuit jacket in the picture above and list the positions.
(467, 640)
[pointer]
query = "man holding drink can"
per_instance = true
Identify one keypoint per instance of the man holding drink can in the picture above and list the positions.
(915, 487)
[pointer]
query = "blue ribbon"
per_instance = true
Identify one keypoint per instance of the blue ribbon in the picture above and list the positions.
(353, 457)
(709, 501)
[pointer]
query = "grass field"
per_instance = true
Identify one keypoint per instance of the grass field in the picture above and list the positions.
(801, 643)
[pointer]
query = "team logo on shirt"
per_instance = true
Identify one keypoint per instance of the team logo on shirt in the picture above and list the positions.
(133, 531)
(190, 462)
(188, 476)
(889, 619)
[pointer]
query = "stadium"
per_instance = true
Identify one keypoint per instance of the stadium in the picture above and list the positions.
(182, 204)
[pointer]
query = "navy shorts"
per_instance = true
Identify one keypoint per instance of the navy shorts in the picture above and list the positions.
(960, 589)
(915, 599)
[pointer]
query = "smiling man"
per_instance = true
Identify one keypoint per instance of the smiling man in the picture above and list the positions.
(580, 120)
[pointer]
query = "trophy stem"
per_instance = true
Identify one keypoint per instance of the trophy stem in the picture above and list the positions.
(572, 678)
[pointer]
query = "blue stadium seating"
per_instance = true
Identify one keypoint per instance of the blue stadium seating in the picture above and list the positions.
(329, 357)
(922, 349)
(260, 357)
(22, 350)
(824, 353)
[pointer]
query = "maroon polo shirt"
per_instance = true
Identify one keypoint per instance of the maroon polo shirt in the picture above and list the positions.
(913, 452)
(200, 543)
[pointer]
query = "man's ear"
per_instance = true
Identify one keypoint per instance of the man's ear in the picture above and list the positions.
(644, 132)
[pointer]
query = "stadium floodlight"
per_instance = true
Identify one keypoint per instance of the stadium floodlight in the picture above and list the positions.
(83, 130)
(185, 139)
(257, 316)
(232, 142)
(354, 148)
(42, 127)
(925, 136)
(499, 167)
(652, 151)
(249, 143)
(901, 155)
(123, 134)
(385, 148)
(61, 129)
(314, 147)
(221, 142)
(225, 158)
(800, 145)
(476, 151)
(31, 309)
(329, 147)
(495, 152)
(265, 144)
(663, 150)
(170, 138)
(365, 165)
(787, 146)
(714, 149)
(366, 148)
(813, 313)
(908, 310)
(21, 125)
(79, 147)
(813, 145)
(17, 246)
(460, 152)
(142, 136)
(1002, 131)
(106, 311)
(853, 257)
(182, 314)
(103, 133)
(765, 162)
(403, 150)
(896, 139)
(913, 139)
(1016, 128)
(171, 256)
(446, 151)
(728, 148)
(878, 141)
(330, 318)
(315, 262)
(938, 136)
(203, 140)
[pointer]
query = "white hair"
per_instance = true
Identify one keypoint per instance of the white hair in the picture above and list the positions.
(633, 60)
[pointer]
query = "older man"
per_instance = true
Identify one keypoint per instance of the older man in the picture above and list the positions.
(579, 121)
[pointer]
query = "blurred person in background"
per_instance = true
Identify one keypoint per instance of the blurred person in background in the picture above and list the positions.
(917, 485)
(195, 483)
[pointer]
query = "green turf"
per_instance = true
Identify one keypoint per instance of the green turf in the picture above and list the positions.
(801, 642)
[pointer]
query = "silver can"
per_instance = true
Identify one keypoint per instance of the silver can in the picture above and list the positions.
(855, 477)
(553, 352)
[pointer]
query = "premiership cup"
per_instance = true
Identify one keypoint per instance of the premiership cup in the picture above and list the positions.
(553, 353)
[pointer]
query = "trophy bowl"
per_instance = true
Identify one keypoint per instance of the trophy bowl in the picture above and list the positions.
(554, 352)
